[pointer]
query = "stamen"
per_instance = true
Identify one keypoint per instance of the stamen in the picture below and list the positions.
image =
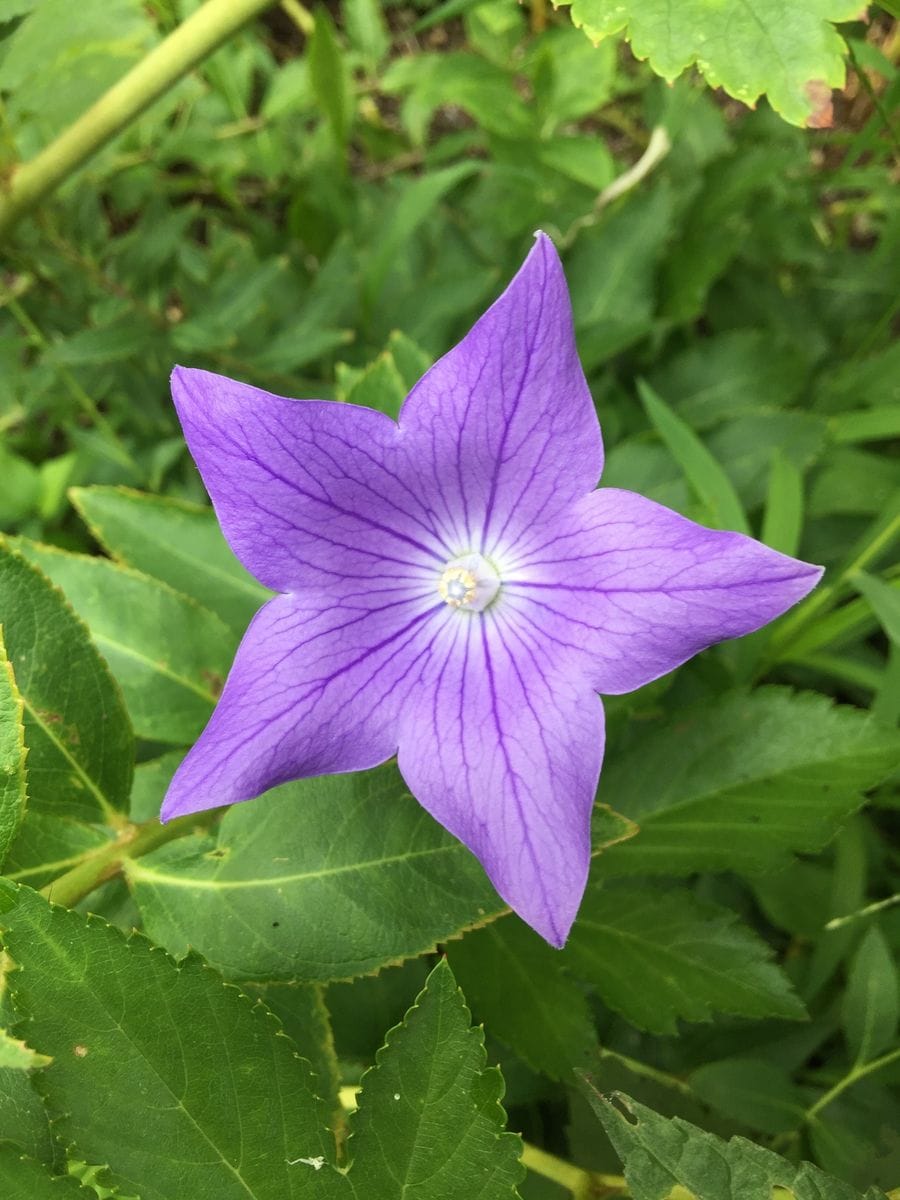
(469, 582)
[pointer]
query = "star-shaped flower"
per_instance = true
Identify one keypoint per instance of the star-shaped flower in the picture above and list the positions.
(455, 590)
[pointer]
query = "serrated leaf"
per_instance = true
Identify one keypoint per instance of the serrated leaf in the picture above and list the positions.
(513, 982)
(409, 358)
(657, 955)
(323, 879)
(76, 728)
(738, 783)
(135, 1040)
(176, 542)
(23, 1118)
(169, 655)
(379, 386)
(661, 1152)
(871, 1004)
(12, 755)
(21, 1178)
(787, 49)
(430, 1125)
(16, 1056)
(302, 1011)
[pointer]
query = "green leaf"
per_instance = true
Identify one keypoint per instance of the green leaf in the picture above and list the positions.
(169, 655)
(48, 843)
(660, 1152)
(444, 11)
(721, 377)
(23, 1118)
(379, 386)
(513, 981)
(783, 518)
(302, 1011)
(323, 879)
(871, 1007)
(76, 728)
(20, 487)
(417, 200)
(712, 486)
(570, 78)
(21, 1178)
(885, 601)
(177, 542)
(410, 359)
(852, 481)
(150, 1058)
(759, 1094)
(362, 1009)
(745, 448)
(12, 755)
(151, 780)
(662, 954)
(738, 783)
(328, 76)
(787, 49)
(366, 29)
(870, 425)
(430, 1121)
(16, 1056)
(486, 91)
(84, 51)
(16, 8)
(612, 278)
(584, 159)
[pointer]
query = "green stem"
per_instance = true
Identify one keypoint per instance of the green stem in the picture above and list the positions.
(116, 446)
(863, 76)
(202, 33)
(849, 1079)
(103, 864)
(827, 594)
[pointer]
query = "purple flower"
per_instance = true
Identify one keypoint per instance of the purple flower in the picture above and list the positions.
(455, 591)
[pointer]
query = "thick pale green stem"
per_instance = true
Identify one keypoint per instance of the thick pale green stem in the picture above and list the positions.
(105, 863)
(203, 32)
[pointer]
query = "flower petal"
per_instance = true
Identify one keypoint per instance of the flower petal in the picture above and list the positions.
(503, 426)
(315, 688)
(501, 742)
(306, 491)
(640, 589)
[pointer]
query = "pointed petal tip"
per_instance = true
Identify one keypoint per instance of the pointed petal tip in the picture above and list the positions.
(554, 928)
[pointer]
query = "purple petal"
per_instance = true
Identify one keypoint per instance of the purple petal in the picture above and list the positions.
(502, 743)
(307, 491)
(502, 429)
(640, 589)
(315, 688)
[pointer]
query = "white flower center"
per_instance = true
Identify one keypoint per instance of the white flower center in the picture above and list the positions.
(469, 582)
